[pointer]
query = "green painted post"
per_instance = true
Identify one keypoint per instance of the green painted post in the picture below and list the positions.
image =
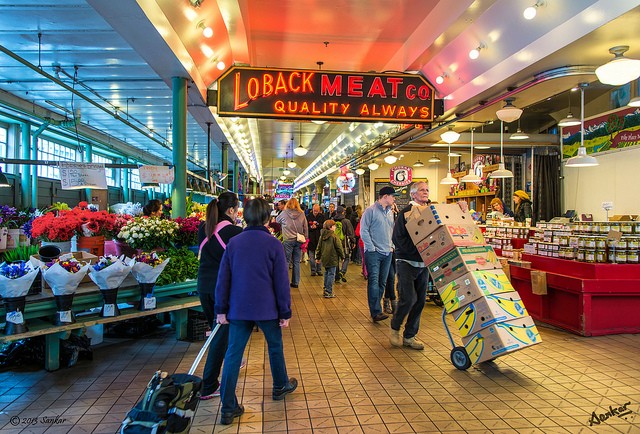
(88, 156)
(25, 171)
(178, 196)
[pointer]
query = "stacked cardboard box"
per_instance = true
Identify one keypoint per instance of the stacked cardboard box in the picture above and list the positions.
(468, 275)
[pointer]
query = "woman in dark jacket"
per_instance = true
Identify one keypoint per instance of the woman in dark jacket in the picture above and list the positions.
(253, 288)
(218, 227)
(523, 209)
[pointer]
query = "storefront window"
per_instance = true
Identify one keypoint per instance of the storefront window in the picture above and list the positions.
(110, 172)
(48, 150)
(3, 146)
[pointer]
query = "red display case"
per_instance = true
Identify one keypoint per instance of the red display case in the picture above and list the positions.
(586, 298)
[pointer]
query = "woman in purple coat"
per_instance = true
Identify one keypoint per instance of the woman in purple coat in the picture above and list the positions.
(253, 288)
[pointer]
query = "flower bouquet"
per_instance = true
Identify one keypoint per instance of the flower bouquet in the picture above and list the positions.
(108, 273)
(55, 227)
(15, 281)
(187, 231)
(63, 276)
(149, 233)
(146, 269)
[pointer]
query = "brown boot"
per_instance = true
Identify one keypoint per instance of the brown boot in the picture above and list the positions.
(386, 306)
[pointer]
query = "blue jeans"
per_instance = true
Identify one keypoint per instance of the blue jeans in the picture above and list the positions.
(345, 264)
(329, 277)
(390, 286)
(239, 334)
(412, 293)
(315, 266)
(293, 253)
(218, 348)
(377, 270)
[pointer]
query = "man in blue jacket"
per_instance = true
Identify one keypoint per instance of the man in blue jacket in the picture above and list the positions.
(376, 226)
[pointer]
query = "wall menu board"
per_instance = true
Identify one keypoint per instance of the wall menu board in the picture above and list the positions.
(404, 197)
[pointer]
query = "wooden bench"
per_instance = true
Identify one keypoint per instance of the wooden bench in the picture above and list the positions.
(40, 311)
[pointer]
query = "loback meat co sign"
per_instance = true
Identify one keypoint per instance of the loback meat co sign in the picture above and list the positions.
(324, 95)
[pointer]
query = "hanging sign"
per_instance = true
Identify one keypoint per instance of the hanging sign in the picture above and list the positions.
(325, 95)
(345, 182)
(75, 176)
(400, 176)
(156, 174)
(283, 191)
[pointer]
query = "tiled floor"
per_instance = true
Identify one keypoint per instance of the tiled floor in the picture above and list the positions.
(351, 380)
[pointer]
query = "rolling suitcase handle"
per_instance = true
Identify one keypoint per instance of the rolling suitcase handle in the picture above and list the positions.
(196, 362)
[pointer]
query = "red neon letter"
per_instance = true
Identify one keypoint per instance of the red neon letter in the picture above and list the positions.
(237, 105)
(291, 86)
(281, 84)
(328, 88)
(377, 89)
(354, 85)
(394, 82)
(267, 84)
(253, 88)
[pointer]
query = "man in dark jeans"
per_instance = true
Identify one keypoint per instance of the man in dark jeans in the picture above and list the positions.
(315, 219)
(413, 276)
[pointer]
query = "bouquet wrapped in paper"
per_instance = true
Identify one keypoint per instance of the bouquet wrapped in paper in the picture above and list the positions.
(108, 274)
(63, 276)
(15, 281)
(146, 269)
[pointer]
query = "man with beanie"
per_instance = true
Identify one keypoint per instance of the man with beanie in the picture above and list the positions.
(376, 227)
(348, 241)
(413, 275)
(315, 219)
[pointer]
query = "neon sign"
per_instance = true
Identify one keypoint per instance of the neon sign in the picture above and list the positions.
(326, 95)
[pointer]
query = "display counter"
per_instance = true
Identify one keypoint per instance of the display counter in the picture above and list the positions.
(589, 299)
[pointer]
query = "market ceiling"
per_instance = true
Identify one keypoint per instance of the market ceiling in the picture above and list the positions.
(122, 55)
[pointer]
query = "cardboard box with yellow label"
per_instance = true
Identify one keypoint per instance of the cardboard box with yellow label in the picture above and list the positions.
(446, 238)
(501, 338)
(488, 310)
(424, 220)
(460, 261)
(471, 286)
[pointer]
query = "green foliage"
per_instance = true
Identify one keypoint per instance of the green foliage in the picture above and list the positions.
(182, 266)
(22, 253)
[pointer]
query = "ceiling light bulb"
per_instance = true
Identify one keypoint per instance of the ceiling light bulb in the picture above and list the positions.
(418, 164)
(390, 159)
(360, 171)
(519, 135)
(373, 166)
(620, 70)
(569, 121)
(221, 65)
(207, 32)
(300, 151)
(509, 112)
(450, 136)
(474, 54)
(439, 79)
(530, 13)
(291, 164)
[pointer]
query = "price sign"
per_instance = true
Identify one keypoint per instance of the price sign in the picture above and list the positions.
(65, 317)
(156, 174)
(75, 176)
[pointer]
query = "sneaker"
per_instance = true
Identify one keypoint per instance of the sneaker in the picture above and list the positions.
(227, 418)
(395, 339)
(387, 306)
(210, 395)
(279, 394)
(328, 294)
(380, 317)
(413, 343)
(344, 279)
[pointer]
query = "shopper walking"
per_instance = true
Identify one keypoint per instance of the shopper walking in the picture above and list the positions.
(376, 226)
(213, 235)
(347, 239)
(294, 229)
(413, 276)
(330, 252)
(252, 290)
(315, 219)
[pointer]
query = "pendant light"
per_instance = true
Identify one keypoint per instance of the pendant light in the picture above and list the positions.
(519, 135)
(373, 166)
(4, 182)
(359, 171)
(582, 159)
(471, 176)
(418, 164)
(450, 136)
(449, 179)
(434, 159)
(390, 159)
(509, 112)
(502, 172)
(620, 70)
(291, 163)
(570, 120)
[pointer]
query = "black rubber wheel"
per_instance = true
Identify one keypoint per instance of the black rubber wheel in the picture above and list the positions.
(460, 358)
